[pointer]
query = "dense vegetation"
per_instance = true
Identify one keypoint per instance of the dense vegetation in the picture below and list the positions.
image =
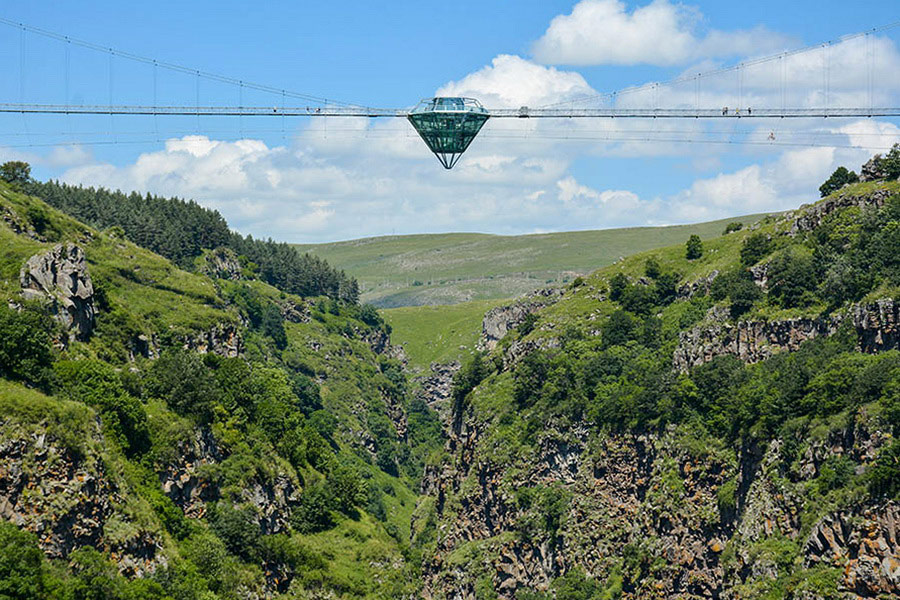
(308, 402)
(603, 360)
(284, 410)
(181, 230)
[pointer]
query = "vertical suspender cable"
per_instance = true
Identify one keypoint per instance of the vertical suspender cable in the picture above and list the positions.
(155, 103)
(22, 67)
(68, 120)
(197, 101)
(22, 80)
(111, 122)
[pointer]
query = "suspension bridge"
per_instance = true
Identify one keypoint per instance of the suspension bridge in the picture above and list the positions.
(809, 83)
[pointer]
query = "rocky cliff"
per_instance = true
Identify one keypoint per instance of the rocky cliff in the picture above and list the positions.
(877, 327)
(500, 320)
(69, 498)
(694, 521)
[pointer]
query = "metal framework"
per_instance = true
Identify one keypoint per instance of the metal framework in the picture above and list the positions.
(448, 125)
(498, 113)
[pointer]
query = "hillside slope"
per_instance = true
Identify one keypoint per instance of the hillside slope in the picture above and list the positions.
(720, 427)
(449, 268)
(166, 434)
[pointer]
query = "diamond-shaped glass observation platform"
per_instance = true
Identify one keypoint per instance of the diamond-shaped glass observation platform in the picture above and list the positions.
(448, 125)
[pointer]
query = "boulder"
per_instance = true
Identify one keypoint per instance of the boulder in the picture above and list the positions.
(59, 279)
(873, 170)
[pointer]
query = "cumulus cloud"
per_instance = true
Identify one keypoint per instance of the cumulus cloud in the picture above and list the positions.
(512, 81)
(603, 32)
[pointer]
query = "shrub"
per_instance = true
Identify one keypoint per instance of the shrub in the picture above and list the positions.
(25, 352)
(527, 325)
(181, 379)
(313, 511)
(792, 279)
(667, 288)
(21, 568)
(618, 329)
(738, 286)
(617, 285)
(345, 486)
(639, 299)
(884, 477)
(236, 528)
(733, 226)
(755, 248)
(693, 249)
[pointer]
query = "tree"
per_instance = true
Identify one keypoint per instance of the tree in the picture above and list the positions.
(693, 248)
(618, 329)
(792, 279)
(755, 248)
(733, 226)
(617, 285)
(838, 179)
(890, 164)
(21, 569)
(25, 352)
(181, 379)
(15, 172)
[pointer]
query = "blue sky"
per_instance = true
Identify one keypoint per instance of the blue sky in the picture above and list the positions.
(302, 181)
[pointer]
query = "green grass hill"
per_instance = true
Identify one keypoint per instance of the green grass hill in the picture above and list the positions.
(448, 268)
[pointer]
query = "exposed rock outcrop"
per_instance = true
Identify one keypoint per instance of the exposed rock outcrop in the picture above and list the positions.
(222, 263)
(657, 498)
(223, 339)
(864, 543)
(59, 278)
(877, 326)
(873, 170)
(689, 289)
(295, 312)
(189, 480)
(499, 321)
(436, 387)
(807, 218)
(69, 500)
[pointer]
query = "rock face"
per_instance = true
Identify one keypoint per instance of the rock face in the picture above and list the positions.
(222, 263)
(223, 339)
(499, 321)
(436, 387)
(808, 218)
(877, 326)
(59, 278)
(658, 499)
(701, 286)
(69, 501)
(873, 170)
(190, 481)
(865, 543)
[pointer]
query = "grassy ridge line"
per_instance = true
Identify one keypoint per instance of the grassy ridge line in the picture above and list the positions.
(452, 267)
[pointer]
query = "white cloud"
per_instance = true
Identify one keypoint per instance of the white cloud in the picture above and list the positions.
(599, 32)
(511, 81)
